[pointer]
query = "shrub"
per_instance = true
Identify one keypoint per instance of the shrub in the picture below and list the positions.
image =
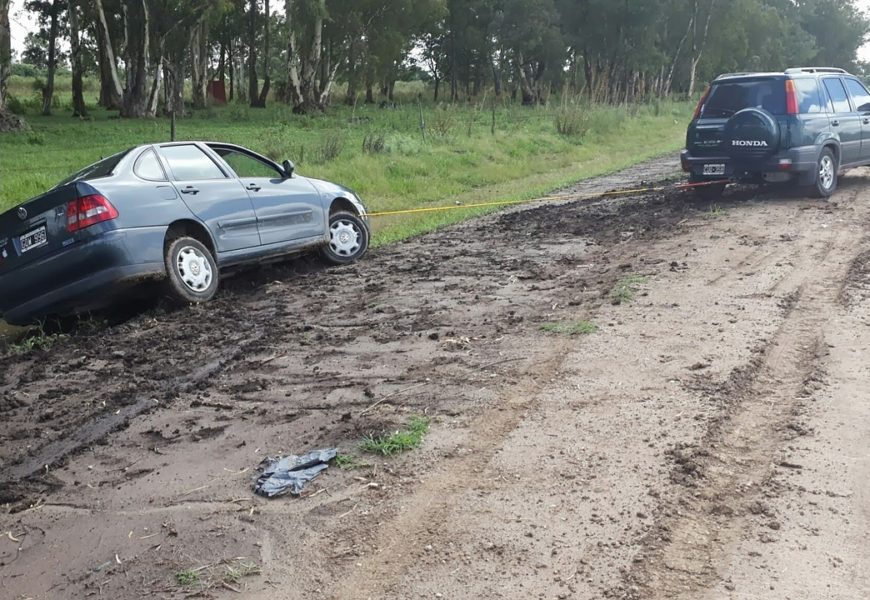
(330, 148)
(374, 143)
(572, 120)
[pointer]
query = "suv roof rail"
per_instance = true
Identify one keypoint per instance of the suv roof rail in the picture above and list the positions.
(815, 70)
(738, 74)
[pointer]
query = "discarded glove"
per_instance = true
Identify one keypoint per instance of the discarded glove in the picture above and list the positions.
(291, 473)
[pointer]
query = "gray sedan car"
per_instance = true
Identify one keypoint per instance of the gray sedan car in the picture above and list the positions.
(182, 211)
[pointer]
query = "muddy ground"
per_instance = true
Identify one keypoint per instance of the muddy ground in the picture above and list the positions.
(709, 440)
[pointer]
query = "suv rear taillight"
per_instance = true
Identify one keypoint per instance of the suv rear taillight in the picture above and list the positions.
(87, 211)
(791, 101)
(701, 103)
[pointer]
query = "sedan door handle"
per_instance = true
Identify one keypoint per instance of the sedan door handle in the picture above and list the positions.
(189, 189)
(835, 123)
(253, 187)
(866, 120)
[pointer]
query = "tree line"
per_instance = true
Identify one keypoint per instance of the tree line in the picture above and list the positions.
(295, 51)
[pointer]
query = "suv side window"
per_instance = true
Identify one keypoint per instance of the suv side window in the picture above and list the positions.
(839, 98)
(809, 98)
(860, 95)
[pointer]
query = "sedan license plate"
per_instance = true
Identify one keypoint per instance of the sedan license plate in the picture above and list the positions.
(34, 239)
(718, 169)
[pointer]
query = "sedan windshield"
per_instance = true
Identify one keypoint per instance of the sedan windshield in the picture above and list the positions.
(103, 168)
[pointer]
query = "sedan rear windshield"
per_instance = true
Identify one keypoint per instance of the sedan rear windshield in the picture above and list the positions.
(103, 168)
(728, 98)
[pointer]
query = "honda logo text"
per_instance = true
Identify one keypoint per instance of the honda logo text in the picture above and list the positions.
(749, 143)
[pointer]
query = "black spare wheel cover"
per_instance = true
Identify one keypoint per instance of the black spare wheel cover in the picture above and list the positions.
(751, 133)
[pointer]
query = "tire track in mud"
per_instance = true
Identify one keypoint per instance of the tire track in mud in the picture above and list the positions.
(727, 471)
(433, 501)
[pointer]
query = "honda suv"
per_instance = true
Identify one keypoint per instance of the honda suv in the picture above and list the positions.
(802, 125)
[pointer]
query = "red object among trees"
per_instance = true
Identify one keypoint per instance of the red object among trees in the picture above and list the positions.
(217, 91)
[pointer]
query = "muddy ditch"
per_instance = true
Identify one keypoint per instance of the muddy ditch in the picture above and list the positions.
(296, 339)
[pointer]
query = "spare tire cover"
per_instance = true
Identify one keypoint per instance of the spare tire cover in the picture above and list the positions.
(751, 133)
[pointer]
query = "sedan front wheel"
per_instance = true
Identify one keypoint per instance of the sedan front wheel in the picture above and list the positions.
(348, 238)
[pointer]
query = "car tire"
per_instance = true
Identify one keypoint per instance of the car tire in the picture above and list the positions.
(348, 239)
(710, 192)
(826, 175)
(191, 269)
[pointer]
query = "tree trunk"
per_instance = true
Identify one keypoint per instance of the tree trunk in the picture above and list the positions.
(253, 84)
(173, 73)
(670, 78)
(698, 50)
(222, 65)
(110, 86)
(496, 77)
(199, 63)
(267, 59)
(305, 92)
(135, 101)
(48, 90)
(5, 52)
(231, 59)
(154, 96)
(78, 97)
(526, 89)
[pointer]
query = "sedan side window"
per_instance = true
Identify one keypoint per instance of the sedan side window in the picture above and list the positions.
(247, 166)
(838, 95)
(148, 167)
(860, 95)
(188, 163)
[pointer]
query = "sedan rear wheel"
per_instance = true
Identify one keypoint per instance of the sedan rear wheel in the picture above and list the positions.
(192, 270)
(348, 238)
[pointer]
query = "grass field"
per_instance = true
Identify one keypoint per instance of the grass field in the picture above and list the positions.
(380, 153)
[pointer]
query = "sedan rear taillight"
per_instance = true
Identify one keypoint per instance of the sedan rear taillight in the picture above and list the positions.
(87, 211)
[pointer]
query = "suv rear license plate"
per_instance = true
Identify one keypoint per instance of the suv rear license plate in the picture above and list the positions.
(34, 239)
(718, 169)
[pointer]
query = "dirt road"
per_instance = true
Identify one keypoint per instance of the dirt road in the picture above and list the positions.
(708, 440)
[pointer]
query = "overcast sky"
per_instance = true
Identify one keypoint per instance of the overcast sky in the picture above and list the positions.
(22, 23)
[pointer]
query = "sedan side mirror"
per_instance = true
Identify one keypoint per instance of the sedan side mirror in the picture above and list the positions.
(288, 167)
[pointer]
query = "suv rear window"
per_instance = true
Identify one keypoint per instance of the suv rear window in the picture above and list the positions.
(728, 98)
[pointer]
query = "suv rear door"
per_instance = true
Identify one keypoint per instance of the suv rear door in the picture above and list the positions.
(861, 103)
(845, 121)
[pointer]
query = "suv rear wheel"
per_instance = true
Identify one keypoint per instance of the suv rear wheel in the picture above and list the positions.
(826, 179)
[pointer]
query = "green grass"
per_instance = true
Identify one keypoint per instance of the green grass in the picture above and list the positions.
(458, 161)
(347, 462)
(187, 578)
(716, 211)
(37, 340)
(399, 441)
(235, 574)
(626, 288)
(575, 328)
